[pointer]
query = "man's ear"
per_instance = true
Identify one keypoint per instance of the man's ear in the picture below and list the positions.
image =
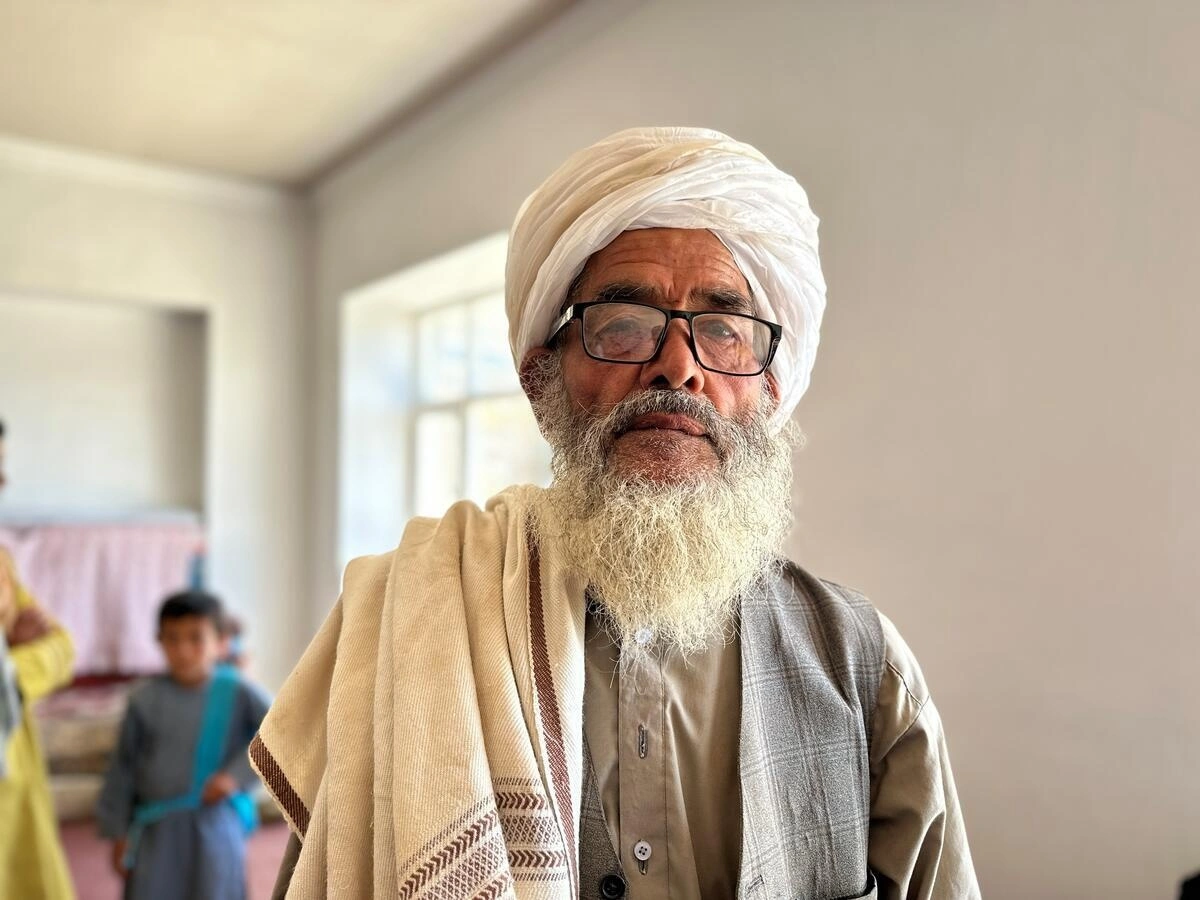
(772, 386)
(529, 383)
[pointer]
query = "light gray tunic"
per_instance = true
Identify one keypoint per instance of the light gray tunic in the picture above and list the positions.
(189, 855)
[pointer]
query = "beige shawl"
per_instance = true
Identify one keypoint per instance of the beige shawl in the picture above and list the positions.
(429, 742)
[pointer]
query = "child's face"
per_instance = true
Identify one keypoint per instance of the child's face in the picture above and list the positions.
(192, 647)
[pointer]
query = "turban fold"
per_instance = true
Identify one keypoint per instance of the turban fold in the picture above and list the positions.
(673, 178)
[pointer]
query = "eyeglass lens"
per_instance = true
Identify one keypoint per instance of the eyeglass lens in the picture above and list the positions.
(628, 332)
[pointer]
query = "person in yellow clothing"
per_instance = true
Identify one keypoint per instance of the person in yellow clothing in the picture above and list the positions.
(35, 659)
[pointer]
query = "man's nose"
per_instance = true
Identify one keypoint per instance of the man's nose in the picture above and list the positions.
(675, 366)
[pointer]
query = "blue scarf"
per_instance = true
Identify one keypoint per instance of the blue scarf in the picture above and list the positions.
(214, 731)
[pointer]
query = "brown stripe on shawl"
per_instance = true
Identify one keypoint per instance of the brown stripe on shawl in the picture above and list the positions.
(548, 704)
(281, 789)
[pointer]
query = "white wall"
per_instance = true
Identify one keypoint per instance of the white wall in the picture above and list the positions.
(1003, 432)
(88, 228)
(104, 405)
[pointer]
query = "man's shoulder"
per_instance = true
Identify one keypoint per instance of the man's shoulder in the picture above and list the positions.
(433, 545)
(847, 623)
(828, 601)
(819, 629)
(364, 571)
(796, 585)
(902, 662)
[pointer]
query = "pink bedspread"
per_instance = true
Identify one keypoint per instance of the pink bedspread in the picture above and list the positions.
(105, 584)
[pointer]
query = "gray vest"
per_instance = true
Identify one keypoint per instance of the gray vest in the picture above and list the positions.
(812, 657)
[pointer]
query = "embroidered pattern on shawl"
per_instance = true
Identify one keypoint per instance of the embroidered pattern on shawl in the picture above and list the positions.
(534, 844)
(471, 864)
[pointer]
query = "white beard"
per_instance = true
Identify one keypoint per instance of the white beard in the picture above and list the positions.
(667, 562)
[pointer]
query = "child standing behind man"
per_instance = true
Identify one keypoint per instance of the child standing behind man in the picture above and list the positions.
(175, 798)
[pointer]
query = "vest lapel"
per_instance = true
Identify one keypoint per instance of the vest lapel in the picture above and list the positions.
(810, 671)
(597, 858)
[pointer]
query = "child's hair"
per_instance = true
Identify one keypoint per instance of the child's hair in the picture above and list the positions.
(231, 631)
(231, 626)
(192, 603)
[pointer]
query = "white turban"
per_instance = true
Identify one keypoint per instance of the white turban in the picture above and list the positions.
(673, 178)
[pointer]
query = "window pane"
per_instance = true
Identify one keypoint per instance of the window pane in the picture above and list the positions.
(439, 463)
(492, 370)
(503, 446)
(442, 349)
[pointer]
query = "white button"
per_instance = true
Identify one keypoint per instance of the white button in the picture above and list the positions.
(642, 636)
(641, 851)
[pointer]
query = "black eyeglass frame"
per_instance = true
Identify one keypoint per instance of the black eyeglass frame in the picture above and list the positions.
(576, 310)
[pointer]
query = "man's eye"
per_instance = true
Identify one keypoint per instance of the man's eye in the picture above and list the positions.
(718, 329)
(621, 327)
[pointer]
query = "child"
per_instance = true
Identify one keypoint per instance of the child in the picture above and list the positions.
(174, 797)
(233, 644)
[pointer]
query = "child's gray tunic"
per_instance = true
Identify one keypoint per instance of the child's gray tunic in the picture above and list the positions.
(190, 855)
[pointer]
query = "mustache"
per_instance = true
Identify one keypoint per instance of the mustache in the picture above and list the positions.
(719, 430)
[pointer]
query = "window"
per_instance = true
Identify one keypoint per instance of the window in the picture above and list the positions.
(431, 410)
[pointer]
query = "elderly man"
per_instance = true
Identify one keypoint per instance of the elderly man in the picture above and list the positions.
(617, 686)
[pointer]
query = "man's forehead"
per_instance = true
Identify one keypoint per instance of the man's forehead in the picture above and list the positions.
(667, 260)
(698, 297)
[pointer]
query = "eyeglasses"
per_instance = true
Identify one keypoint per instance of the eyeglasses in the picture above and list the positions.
(620, 332)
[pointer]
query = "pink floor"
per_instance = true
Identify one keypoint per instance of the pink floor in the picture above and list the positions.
(88, 857)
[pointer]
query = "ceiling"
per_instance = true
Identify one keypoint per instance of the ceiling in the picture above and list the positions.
(273, 90)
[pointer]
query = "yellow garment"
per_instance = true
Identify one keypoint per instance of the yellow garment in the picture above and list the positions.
(32, 866)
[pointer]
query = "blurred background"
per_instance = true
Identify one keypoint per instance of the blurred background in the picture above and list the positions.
(251, 276)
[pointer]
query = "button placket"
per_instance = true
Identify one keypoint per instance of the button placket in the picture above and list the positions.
(642, 775)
